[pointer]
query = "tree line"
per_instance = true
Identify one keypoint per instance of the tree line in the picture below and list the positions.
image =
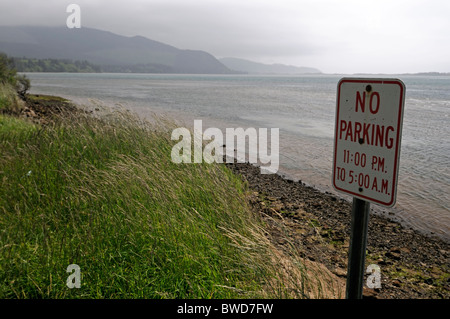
(65, 65)
(54, 65)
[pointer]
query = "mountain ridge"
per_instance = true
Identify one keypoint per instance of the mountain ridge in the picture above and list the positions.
(251, 67)
(118, 53)
(105, 48)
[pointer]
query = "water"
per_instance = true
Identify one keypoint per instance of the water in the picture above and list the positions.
(303, 108)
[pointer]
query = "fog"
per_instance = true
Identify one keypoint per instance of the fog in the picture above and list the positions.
(346, 36)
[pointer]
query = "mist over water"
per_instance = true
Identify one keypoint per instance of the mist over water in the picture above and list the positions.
(303, 108)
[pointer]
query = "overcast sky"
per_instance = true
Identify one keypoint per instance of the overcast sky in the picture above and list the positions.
(335, 36)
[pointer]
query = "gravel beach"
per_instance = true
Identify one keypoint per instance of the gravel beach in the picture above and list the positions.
(413, 265)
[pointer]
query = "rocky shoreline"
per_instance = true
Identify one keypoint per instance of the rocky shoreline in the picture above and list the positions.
(42, 109)
(413, 265)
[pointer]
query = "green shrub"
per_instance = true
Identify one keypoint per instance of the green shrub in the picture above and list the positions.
(7, 71)
(9, 78)
(23, 84)
(9, 100)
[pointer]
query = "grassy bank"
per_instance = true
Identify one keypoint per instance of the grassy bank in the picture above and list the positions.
(104, 194)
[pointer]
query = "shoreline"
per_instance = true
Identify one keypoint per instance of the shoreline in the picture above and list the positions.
(413, 265)
(392, 214)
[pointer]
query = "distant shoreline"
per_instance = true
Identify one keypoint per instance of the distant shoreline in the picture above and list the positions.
(261, 74)
(34, 65)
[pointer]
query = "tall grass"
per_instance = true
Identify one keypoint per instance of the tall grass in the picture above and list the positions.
(104, 194)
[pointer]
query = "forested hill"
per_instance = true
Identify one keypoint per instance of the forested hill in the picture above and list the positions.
(105, 49)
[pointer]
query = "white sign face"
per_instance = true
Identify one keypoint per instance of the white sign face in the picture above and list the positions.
(369, 117)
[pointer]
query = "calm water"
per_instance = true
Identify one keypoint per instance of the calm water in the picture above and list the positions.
(303, 107)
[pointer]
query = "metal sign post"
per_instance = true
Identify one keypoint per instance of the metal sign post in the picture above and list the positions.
(357, 249)
(369, 119)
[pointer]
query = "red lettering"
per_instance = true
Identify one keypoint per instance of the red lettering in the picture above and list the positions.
(390, 141)
(349, 131)
(371, 134)
(384, 186)
(342, 128)
(362, 101)
(379, 139)
(366, 132)
(375, 184)
(358, 128)
(374, 111)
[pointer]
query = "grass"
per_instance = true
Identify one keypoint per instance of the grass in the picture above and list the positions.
(104, 194)
(16, 127)
(9, 99)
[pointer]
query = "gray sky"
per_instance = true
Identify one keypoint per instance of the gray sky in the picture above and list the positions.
(335, 36)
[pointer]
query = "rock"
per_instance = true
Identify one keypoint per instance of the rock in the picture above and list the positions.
(429, 281)
(394, 253)
(324, 233)
(340, 272)
(383, 262)
(277, 206)
(405, 250)
(369, 293)
(436, 270)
